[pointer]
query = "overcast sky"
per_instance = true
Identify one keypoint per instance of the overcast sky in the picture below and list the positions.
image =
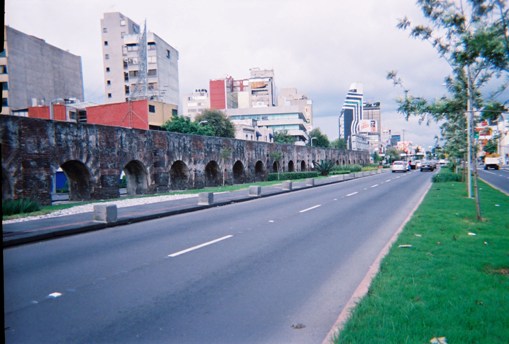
(319, 47)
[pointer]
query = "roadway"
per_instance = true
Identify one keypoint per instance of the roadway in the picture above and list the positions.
(497, 178)
(271, 270)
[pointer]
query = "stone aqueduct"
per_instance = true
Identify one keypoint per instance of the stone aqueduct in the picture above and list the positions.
(93, 158)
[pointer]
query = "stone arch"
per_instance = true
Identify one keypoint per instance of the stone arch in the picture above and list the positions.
(302, 165)
(291, 166)
(78, 179)
(275, 166)
(259, 171)
(6, 185)
(212, 174)
(238, 172)
(179, 175)
(137, 178)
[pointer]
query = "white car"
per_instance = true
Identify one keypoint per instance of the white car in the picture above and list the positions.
(399, 166)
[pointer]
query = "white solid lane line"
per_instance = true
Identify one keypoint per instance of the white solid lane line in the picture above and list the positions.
(351, 194)
(199, 246)
(310, 208)
(374, 186)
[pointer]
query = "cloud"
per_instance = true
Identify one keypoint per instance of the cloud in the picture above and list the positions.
(319, 47)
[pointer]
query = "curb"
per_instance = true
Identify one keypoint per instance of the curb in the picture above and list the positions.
(27, 238)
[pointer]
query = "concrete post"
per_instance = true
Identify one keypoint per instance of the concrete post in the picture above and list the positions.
(255, 191)
(105, 213)
(287, 185)
(206, 198)
(310, 182)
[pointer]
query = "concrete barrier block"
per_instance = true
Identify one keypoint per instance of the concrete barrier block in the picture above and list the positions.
(205, 198)
(255, 191)
(310, 182)
(287, 185)
(105, 213)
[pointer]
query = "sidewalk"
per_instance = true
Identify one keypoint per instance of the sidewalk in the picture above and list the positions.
(49, 228)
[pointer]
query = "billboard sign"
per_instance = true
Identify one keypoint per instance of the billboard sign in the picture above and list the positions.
(368, 126)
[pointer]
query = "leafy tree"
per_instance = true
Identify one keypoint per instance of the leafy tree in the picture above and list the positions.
(183, 125)
(318, 139)
(471, 36)
(219, 123)
(282, 136)
(338, 144)
(491, 147)
(392, 154)
(376, 157)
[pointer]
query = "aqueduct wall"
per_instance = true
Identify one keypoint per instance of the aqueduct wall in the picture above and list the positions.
(93, 158)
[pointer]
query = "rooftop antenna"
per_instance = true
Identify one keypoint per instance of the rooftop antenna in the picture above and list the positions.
(140, 88)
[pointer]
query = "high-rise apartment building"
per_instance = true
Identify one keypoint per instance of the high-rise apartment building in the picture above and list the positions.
(137, 64)
(33, 72)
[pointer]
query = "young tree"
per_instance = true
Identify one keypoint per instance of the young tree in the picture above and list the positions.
(338, 144)
(318, 139)
(282, 136)
(220, 124)
(472, 36)
(184, 125)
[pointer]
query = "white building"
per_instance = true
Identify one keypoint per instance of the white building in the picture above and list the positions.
(137, 63)
(276, 118)
(195, 103)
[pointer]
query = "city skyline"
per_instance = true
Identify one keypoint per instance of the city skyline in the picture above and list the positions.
(317, 47)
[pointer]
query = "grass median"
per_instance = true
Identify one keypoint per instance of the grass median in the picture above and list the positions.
(445, 278)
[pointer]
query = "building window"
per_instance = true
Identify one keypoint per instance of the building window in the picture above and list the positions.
(105, 30)
(152, 72)
(127, 90)
(108, 82)
(5, 102)
(152, 59)
(168, 54)
(122, 22)
(151, 108)
(106, 56)
(5, 86)
(109, 95)
(105, 43)
(107, 69)
(3, 69)
(132, 47)
(122, 34)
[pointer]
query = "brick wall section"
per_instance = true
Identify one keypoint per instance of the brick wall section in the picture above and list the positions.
(94, 157)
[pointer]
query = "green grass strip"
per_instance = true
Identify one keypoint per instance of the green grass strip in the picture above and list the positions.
(452, 282)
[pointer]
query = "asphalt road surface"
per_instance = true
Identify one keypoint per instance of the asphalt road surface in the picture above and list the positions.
(497, 178)
(272, 270)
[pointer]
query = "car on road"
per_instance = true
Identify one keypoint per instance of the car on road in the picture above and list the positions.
(427, 166)
(399, 166)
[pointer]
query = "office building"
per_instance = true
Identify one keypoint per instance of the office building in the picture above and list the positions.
(255, 100)
(138, 64)
(350, 117)
(33, 72)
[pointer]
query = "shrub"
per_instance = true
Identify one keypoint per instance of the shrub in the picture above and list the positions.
(349, 168)
(292, 175)
(324, 167)
(447, 177)
(19, 206)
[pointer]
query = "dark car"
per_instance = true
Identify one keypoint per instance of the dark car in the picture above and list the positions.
(427, 166)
